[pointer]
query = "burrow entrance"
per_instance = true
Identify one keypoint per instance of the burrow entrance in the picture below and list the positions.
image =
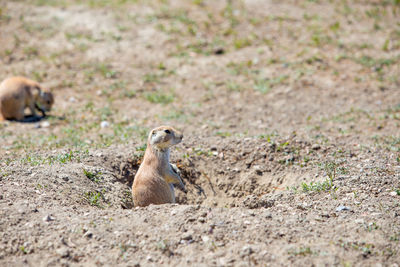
(235, 173)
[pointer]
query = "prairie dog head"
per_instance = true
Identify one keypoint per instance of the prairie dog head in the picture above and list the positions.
(164, 137)
(44, 99)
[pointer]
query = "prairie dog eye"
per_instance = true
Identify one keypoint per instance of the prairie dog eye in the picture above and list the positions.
(167, 131)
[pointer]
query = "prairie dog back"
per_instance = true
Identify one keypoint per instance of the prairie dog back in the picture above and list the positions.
(18, 93)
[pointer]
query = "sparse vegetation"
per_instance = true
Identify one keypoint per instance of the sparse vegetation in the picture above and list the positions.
(159, 97)
(23, 250)
(95, 198)
(93, 176)
(302, 251)
(62, 158)
(325, 186)
(265, 85)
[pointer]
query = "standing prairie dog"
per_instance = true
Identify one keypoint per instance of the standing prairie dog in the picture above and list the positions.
(18, 93)
(154, 180)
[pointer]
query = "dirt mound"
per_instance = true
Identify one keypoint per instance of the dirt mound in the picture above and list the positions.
(226, 173)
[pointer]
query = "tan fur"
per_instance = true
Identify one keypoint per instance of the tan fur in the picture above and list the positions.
(18, 93)
(154, 179)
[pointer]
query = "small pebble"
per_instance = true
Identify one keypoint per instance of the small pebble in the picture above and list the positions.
(187, 236)
(205, 238)
(104, 124)
(268, 215)
(63, 252)
(246, 250)
(343, 208)
(316, 146)
(45, 124)
(88, 234)
(48, 218)
(219, 51)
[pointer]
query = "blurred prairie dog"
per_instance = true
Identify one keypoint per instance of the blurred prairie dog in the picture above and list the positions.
(18, 93)
(154, 180)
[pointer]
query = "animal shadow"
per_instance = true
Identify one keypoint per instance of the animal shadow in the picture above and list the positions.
(34, 119)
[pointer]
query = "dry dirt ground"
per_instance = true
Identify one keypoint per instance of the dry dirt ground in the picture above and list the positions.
(290, 111)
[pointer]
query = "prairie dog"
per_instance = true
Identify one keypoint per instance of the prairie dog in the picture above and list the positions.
(153, 183)
(18, 93)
